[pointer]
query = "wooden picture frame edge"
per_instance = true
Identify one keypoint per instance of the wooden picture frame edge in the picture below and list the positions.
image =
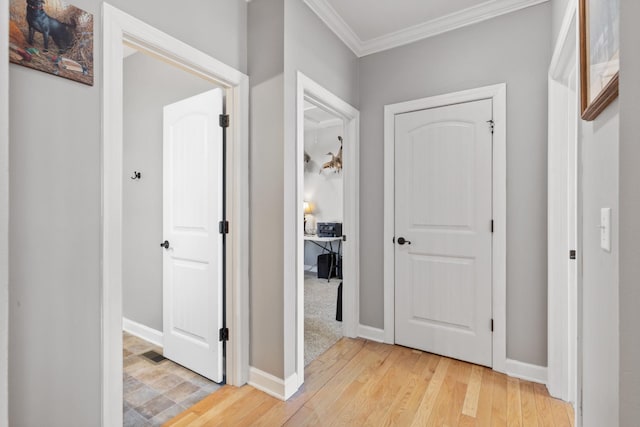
(609, 93)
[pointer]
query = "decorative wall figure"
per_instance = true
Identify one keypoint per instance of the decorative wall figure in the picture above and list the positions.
(336, 160)
(52, 37)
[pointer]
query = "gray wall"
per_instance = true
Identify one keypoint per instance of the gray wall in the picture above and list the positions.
(629, 214)
(599, 144)
(146, 92)
(55, 146)
(471, 57)
(266, 69)
(558, 7)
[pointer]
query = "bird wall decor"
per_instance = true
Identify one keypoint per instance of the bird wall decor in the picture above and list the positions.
(336, 160)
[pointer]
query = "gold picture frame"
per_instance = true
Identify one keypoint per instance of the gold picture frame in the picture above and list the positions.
(599, 55)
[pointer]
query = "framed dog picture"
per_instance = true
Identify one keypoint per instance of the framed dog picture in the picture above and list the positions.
(53, 37)
(599, 55)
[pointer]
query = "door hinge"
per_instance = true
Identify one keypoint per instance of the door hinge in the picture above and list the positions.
(223, 227)
(224, 334)
(491, 325)
(224, 120)
(492, 226)
(572, 254)
(344, 238)
(492, 125)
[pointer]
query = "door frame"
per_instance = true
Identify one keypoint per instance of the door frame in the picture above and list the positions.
(4, 217)
(564, 149)
(294, 195)
(119, 28)
(498, 94)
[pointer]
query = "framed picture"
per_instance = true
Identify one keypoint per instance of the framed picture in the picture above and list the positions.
(599, 55)
(52, 37)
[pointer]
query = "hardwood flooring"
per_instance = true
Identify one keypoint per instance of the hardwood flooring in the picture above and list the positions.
(363, 383)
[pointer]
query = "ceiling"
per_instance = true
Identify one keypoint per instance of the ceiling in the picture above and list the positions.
(372, 26)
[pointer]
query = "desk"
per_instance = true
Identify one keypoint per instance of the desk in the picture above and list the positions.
(326, 243)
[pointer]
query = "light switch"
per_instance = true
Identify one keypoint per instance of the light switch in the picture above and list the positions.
(605, 229)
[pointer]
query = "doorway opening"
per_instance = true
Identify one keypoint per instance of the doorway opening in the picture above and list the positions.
(121, 28)
(323, 219)
(311, 94)
(172, 293)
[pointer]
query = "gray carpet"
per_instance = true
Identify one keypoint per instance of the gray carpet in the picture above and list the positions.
(321, 330)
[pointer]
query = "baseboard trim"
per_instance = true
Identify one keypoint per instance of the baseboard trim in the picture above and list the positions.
(371, 333)
(526, 371)
(272, 385)
(141, 331)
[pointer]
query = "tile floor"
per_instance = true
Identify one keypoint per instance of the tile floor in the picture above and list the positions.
(156, 392)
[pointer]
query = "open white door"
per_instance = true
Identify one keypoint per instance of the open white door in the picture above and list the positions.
(443, 220)
(192, 269)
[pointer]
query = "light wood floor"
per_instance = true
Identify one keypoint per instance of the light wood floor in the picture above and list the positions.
(362, 383)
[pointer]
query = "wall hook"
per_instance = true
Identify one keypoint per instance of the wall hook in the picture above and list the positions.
(136, 175)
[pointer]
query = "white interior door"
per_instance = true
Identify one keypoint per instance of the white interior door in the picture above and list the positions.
(192, 273)
(443, 211)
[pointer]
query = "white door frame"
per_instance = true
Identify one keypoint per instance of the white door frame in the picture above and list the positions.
(294, 194)
(498, 94)
(119, 28)
(4, 217)
(564, 190)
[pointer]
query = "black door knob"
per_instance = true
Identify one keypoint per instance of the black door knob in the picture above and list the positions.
(402, 241)
(165, 244)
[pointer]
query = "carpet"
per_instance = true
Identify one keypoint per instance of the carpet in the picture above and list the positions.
(321, 330)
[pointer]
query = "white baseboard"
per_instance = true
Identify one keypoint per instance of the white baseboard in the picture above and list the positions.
(142, 331)
(310, 268)
(272, 385)
(370, 333)
(526, 371)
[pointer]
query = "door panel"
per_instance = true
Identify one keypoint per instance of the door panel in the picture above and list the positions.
(192, 278)
(443, 208)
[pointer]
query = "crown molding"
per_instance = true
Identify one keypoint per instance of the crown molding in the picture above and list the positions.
(463, 18)
(334, 21)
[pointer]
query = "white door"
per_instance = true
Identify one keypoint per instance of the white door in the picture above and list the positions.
(192, 273)
(443, 205)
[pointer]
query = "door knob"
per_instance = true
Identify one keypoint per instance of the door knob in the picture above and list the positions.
(165, 244)
(402, 241)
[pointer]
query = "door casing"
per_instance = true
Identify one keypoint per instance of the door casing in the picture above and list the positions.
(499, 205)
(294, 233)
(119, 28)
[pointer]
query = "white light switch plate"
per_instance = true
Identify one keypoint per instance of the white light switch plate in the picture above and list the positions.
(605, 229)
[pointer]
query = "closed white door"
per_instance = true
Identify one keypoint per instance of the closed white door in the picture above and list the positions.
(192, 273)
(443, 230)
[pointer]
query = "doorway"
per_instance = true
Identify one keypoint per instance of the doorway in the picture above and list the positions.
(323, 220)
(417, 123)
(122, 28)
(308, 91)
(172, 292)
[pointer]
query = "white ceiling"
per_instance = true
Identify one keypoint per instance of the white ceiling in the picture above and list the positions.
(368, 26)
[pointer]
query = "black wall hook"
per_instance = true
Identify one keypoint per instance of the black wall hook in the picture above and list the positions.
(136, 175)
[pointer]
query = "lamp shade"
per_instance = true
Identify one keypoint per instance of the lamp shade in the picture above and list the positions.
(307, 208)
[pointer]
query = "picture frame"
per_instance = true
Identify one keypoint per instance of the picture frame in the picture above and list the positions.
(599, 55)
(53, 37)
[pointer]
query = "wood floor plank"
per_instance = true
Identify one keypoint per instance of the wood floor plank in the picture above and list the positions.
(514, 404)
(472, 397)
(483, 414)
(529, 413)
(560, 417)
(543, 407)
(428, 401)
(359, 382)
(499, 402)
(402, 410)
